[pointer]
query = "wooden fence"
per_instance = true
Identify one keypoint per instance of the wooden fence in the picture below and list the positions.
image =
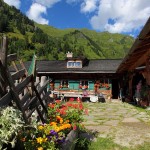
(25, 95)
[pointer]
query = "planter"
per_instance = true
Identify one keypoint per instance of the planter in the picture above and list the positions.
(70, 140)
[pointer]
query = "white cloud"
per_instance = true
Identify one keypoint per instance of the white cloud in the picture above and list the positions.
(47, 3)
(127, 15)
(35, 13)
(38, 8)
(89, 5)
(73, 1)
(15, 3)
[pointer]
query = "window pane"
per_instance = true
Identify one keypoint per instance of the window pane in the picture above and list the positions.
(78, 64)
(69, 63)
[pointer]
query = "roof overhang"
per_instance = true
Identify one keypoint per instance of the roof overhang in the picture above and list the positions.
(139, 51)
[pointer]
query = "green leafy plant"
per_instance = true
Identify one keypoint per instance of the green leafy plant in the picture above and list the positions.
(10, 124)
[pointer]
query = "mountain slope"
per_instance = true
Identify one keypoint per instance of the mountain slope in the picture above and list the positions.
(27, 37)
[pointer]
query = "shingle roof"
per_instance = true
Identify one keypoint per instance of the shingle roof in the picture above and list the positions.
(58, 66)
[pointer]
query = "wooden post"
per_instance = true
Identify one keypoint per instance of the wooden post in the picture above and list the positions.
(147, 76)
(130, 84)
(3, 51)
(3, 59)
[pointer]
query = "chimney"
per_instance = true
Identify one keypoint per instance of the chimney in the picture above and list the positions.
(69, 54)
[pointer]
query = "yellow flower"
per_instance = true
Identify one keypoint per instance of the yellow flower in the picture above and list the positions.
(39, 140)
(44, 139)
(40, 148)
(40, 127)
(57, 129)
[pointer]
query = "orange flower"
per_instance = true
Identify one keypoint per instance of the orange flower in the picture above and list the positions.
(58, 117)
(53, 123)
(61, 121)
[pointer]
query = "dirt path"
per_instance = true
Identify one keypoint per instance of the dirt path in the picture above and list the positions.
(126, 125)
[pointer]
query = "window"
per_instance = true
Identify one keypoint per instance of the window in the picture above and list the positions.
(64, 84)
(74, 64)
(84, 84)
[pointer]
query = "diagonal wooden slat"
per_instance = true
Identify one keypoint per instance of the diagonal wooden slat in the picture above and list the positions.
(20, 87)
(6, 99)
(18, 75)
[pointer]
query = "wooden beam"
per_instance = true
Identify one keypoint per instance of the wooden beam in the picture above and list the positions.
(140, 61)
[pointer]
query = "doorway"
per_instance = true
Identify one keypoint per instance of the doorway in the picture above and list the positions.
(115, 89)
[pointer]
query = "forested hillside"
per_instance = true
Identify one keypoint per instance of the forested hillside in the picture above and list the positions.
(27, 37)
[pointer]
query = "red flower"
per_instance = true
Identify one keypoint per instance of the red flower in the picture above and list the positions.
(51, 105)
(86, 112)
(80, 106)
(58, 101)
(69, 104)
(71, 99)
(74, 127)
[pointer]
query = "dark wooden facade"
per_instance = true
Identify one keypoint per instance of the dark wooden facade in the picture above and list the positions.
(137, 63)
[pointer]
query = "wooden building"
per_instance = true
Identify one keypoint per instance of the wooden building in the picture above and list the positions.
(136, 65)
(76, 75)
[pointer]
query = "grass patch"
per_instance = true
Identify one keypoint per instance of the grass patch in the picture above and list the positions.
(105, 144)
(108, 144)
(145, 146)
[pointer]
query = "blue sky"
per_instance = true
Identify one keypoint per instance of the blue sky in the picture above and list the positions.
(115, 16)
